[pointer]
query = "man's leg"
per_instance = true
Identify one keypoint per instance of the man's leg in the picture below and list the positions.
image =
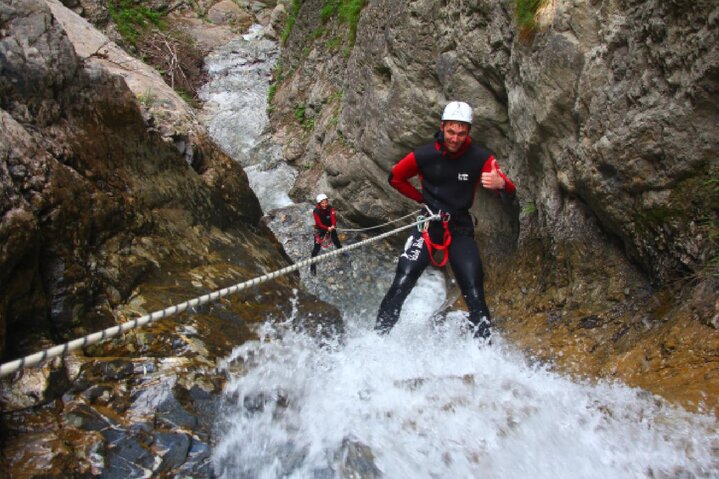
(467, 266)
(411, 263)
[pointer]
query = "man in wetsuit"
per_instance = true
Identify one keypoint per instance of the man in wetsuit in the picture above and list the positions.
(450, 169)
(325, 222)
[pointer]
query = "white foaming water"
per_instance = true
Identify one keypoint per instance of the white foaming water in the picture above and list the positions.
(428, 401)
(271, 186)
(235, 113)
(236, 95)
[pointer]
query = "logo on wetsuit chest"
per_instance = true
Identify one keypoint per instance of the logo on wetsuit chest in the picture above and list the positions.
(463, 177)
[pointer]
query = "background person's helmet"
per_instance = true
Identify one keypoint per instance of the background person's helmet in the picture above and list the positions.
(457, 111)
(321, 197)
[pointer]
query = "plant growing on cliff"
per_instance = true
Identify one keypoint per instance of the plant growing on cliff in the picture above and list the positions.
(529, 208)
(348, 12)
(132, 18)
(271, 91)
(301, 116)
(145, 33)
(526, 12)
(291, 18)
(148, 98)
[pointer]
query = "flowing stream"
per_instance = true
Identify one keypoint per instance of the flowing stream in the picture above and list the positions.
(426, 401)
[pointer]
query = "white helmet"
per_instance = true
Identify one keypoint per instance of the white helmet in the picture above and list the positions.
(321, 197)
(457, 111)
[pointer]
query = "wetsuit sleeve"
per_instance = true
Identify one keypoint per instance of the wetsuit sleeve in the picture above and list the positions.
(509, 187)
(333, 218)
(318, 222)
(400, 175)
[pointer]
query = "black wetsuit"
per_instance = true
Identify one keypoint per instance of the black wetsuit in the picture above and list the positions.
(449, 182)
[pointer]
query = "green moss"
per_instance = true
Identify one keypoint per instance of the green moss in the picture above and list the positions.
(348, 12)
(333, 43)
(132, 18)
(529, 208)
(318, 32)
(658, 215)
(304, 121)
(329, 10)
(525, 12)
(291, 18)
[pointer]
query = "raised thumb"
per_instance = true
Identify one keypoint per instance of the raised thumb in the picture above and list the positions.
(495, 167)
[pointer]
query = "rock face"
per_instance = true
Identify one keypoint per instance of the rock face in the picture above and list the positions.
(606, 118)
(114, 203)
(104, 199)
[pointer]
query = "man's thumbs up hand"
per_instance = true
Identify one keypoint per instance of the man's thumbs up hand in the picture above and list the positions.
(492, 179)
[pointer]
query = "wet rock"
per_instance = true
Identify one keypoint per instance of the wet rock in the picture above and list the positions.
(33, 386)
(171, 413)
(198, 461)
(173, 448)
(590, 322)
(41, 454)
(356, 459)
(129, 456)
(84, 416)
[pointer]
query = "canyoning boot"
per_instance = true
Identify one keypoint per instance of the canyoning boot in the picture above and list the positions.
(482, 330)
(313, 270)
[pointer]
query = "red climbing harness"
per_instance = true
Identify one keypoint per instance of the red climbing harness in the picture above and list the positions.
(446, 241)
(323, 241)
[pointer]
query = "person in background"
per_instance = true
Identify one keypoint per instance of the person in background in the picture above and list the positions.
(450, 170)
(325, 223)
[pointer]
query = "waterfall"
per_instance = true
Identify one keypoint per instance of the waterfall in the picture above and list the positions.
(427, 401)
(235, 112)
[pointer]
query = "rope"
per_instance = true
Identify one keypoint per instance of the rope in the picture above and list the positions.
(63, 349)
(379, 226)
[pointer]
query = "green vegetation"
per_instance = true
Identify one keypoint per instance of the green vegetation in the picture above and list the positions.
(343, 139)
(333, 43)
(291, 18)
(526, 14)
(307, 123)
(335, 97)
(529, 208)
(132, 18)
(188, 98)
(277, 77)
(271, 94)
(318, 33)
(147, 98)
(348, 12)
(146, 35)
(334, 100)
